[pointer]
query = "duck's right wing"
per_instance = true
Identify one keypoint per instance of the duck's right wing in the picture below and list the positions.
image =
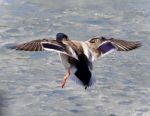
(123, 45)
(102, 46)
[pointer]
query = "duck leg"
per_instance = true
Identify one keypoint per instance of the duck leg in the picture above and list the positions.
(65, 78)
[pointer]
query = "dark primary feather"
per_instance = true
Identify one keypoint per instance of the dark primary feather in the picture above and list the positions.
(35, 45)
(123, 45)
(47, 45)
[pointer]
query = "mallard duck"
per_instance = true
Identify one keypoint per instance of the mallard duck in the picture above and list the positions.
(78, 56)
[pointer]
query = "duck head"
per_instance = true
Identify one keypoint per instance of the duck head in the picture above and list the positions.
(61, 36)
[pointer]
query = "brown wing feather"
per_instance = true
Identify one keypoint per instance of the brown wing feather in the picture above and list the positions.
(34, 45)
(123, 45)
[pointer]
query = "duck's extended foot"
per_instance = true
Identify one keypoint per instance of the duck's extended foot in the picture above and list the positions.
(65, 78)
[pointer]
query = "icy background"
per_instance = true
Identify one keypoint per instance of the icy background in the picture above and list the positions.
(30, 82)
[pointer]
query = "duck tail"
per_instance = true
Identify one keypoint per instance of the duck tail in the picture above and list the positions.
(79, 82)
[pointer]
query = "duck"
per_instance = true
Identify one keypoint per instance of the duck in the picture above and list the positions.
(77, 56)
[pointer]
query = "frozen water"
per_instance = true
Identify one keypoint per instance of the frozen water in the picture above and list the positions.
(30, 82)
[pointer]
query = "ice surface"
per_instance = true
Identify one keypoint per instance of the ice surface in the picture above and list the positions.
(30, 82)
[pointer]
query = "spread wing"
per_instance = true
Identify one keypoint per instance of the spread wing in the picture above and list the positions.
(47, 45)
(109, 45)
(35, 45)
(123, 45)
(103, 46)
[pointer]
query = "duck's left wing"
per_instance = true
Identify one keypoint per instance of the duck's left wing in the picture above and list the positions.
(34, 45)
(40, 45)
(44, 45)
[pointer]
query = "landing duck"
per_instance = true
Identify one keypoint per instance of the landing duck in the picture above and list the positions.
(77, 57)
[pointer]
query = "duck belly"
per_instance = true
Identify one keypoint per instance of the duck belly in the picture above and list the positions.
(64, 60)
